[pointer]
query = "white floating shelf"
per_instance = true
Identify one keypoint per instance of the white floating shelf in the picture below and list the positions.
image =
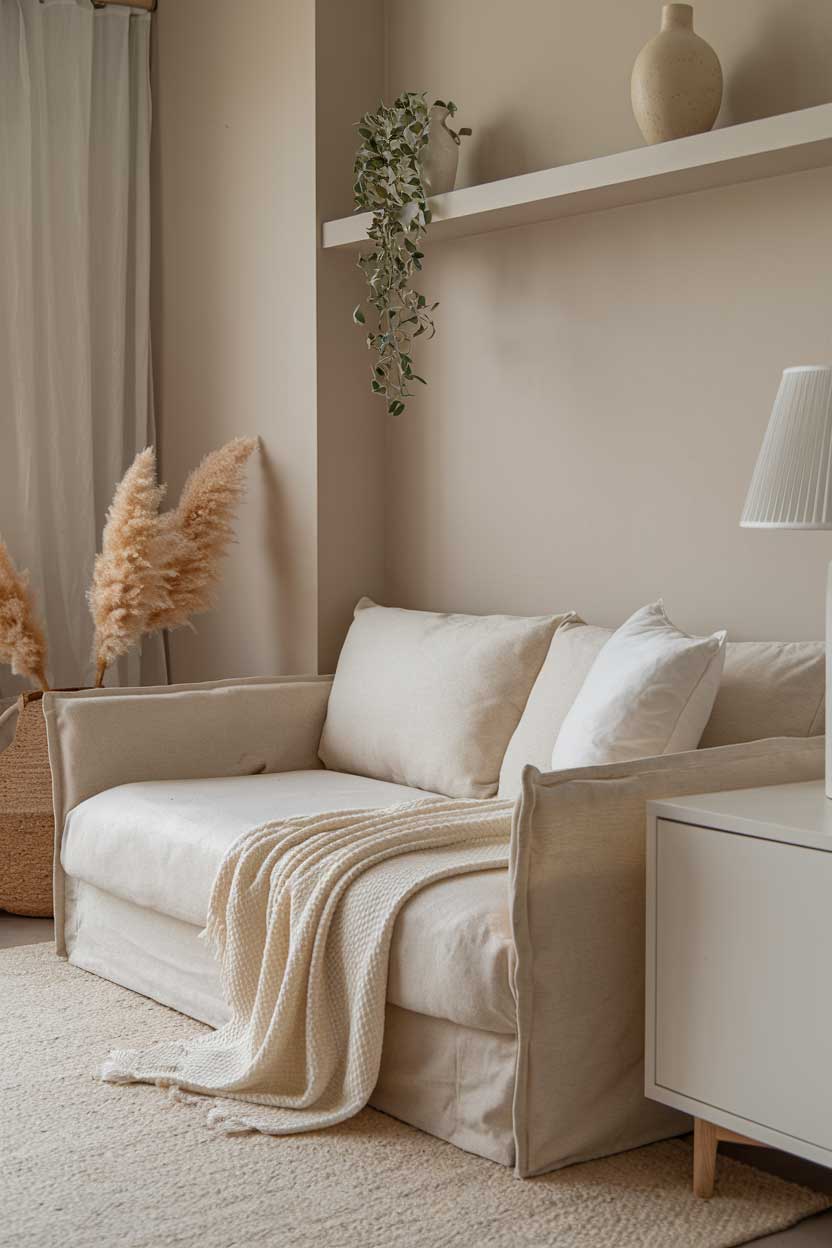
(756, 149)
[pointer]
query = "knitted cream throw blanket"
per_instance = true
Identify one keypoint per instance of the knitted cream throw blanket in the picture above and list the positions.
(301, 917)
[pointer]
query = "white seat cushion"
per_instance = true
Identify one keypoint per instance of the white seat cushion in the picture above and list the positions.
(159, 844)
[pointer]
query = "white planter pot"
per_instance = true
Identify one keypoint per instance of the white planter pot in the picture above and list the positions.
(440, 156)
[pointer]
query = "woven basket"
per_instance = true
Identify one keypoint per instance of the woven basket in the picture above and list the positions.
(26, 822)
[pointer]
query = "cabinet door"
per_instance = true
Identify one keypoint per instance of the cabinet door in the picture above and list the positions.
(743, 976)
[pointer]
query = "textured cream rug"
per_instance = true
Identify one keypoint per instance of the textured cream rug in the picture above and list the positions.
(89, 1165)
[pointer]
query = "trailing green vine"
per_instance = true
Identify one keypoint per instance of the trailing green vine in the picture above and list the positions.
(387, 181)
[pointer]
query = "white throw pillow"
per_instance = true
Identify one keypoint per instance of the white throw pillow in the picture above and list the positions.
(650, 691)
(431, 700)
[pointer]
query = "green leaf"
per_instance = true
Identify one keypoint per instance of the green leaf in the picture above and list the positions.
(358, 316)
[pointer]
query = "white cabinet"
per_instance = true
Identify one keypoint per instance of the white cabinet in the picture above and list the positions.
(739, 954)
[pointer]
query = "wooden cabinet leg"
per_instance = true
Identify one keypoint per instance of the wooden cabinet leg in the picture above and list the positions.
(704, 1157)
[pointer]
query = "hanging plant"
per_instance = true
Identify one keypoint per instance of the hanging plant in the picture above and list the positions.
(388, 182)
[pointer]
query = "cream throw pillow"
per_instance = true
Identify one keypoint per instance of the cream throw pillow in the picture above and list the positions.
(431, 700)
(575, 647)
(650, 691)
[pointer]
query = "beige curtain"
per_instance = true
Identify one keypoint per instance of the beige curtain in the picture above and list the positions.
(75, 393)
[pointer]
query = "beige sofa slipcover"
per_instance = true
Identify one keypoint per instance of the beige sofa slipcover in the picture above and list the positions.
(515, 999)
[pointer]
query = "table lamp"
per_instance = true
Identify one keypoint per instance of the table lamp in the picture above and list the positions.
(792, 483)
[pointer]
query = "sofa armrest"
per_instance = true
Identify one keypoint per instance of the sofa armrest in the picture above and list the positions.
(577, 881)
(100, 738)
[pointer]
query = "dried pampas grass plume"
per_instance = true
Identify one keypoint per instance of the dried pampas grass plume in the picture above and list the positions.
(22, 643)
(156, 571)
(127, 582)
(194, 537)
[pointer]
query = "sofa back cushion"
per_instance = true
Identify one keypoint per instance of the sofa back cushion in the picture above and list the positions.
(431, 700)
(572, 652)
(768, 689)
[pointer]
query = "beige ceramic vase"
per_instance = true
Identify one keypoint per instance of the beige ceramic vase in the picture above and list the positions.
(676, 87)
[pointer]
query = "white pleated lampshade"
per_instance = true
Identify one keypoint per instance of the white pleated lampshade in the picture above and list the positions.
(792, 483)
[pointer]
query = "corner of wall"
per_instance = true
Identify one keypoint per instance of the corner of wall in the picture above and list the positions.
(350, 78)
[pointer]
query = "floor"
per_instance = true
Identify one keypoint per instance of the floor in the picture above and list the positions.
(813, 1233)
(18, 931)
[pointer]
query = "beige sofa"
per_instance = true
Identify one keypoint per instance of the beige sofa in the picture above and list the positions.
(514, 1019)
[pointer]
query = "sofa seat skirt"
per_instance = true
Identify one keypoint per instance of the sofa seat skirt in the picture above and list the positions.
(451, 1080)
(158, 845)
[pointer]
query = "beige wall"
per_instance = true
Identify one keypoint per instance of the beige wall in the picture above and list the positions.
(547, 82)
(351, 421)
(599, 387)
(254, 111)
(234, 307)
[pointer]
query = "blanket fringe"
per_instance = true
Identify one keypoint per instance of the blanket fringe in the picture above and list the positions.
(219, 1121)
(112, 1072)
(177, 1096)
(118, 1068)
